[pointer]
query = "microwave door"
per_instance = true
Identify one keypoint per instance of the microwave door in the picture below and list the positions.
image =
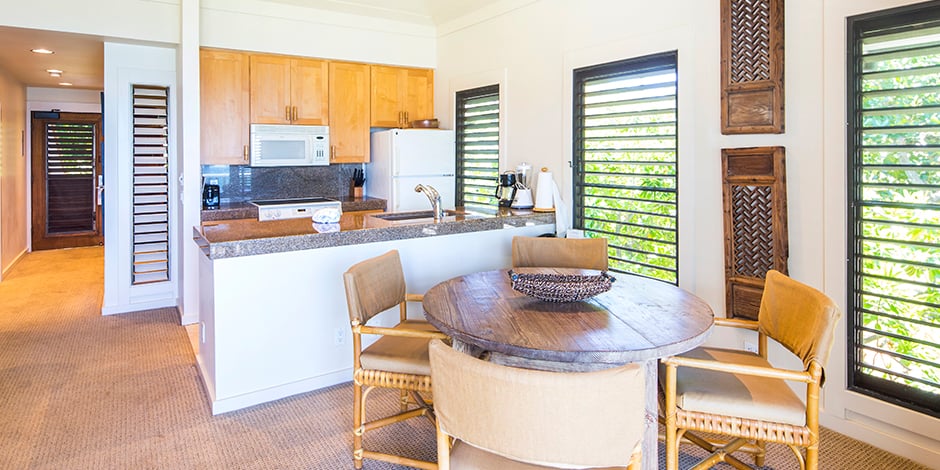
(283, 152)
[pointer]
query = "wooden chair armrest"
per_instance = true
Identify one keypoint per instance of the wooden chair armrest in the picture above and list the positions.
(381, 330)
(414, 297)
(731, 368)
(737, 323)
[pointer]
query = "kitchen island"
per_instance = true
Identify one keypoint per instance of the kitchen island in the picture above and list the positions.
(273, 319)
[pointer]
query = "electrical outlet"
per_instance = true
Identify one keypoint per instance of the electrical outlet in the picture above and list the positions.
(339, 336)
(750, 347)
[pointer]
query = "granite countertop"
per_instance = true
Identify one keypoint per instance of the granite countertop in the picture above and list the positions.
(247, 210)
(245, 237)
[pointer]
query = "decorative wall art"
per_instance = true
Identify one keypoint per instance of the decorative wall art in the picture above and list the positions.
(755, 222)
(752, 99)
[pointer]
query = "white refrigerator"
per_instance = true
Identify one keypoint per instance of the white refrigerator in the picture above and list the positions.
(404, 158)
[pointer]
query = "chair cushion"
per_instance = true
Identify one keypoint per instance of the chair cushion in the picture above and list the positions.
(464, 456)
(398, 353)
(737, 395)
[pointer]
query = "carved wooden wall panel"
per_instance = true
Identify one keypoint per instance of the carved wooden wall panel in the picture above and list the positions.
(752, 100)
(755, 224)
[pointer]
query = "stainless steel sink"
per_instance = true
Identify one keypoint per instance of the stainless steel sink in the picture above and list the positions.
(449, 215)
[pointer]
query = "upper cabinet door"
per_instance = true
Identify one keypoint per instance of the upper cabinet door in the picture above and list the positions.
(386, 97)
(224, 105)
(270, 89)
(310, 90)
(419, 95)
(401, 95)
(349, 120)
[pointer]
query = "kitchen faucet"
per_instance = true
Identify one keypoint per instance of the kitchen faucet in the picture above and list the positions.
(434, 197)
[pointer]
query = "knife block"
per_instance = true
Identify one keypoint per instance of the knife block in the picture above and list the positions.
(355, 191)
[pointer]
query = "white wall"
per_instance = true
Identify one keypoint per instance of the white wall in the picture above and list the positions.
(127, 65)
(533, 62)
(13, 166)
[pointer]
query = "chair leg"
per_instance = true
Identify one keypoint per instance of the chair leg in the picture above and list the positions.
(403, 400)
(759, 456)
(812, 457)
(358, 428)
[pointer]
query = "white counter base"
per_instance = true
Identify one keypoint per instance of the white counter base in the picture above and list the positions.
(276, 325)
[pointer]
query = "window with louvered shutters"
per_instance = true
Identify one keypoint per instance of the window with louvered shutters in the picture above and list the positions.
(477, 146)
(894, 206)
(151, 255)
(625, 162)
(70, 177)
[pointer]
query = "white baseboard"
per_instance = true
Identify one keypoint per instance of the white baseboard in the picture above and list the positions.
(225, 405)
(137, 307)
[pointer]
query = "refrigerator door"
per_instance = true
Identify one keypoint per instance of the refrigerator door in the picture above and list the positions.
(418, 152)
(404, 197)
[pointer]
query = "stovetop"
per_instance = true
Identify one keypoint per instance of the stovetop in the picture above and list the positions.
(291, 202)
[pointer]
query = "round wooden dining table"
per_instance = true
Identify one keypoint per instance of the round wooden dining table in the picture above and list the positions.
(637, 320)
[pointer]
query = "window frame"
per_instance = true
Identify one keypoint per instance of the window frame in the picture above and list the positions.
(460, 97)
(630, 66)
(898, 19)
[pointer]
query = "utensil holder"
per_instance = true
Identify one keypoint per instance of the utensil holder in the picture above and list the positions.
(355, 191)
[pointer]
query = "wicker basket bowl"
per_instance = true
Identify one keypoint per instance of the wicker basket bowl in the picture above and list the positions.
(552, 287)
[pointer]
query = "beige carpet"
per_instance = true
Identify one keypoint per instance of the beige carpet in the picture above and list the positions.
(82, 391)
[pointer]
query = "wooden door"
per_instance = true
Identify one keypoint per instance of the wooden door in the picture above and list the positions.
(270, 89)
(349, 129)
(386, 98)
(310, 89)
(224, 107)
(418, 95)
(66, 180)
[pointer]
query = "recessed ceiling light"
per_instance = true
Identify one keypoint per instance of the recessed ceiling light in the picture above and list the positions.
(53, 71)
(65, 84)
(55, 74)
(42, 51)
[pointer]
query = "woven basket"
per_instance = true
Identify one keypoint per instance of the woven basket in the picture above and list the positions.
(561, 287)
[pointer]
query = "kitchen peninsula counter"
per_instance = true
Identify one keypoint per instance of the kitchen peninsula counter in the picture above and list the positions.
(247, 237)
(247, 210)
(272, 306)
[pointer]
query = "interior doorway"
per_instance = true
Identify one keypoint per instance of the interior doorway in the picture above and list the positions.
(67, 179)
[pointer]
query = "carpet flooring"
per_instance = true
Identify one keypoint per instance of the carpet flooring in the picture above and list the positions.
(83, 391)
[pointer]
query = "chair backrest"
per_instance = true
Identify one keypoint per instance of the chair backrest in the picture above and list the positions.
(585, 253)
(584, 419)
(374, 286)
(799, 317)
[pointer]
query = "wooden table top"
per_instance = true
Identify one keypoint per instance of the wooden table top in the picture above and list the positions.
(638, 319)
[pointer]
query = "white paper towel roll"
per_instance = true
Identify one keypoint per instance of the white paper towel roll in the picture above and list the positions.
(545, 191)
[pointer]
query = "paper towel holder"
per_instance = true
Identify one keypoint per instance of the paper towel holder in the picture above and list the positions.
(540, 192)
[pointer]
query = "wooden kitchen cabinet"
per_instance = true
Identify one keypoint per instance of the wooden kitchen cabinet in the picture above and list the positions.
(289, 90)
(401, 95)
(349, 119)
(224, 104)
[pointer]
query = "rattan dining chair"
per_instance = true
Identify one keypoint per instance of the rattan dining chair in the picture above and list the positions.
(741, 395)
(397, 360)
(585, 253)
(491, 416)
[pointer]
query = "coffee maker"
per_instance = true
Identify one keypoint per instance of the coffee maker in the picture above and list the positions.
(523, 198)
(506, 189)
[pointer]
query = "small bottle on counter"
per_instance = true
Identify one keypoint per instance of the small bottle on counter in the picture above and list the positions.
(210, 194)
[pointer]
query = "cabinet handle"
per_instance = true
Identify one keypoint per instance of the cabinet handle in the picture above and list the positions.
(293, 113)
(287, 113)
(245, 152)
(406, 117)
(332, 153)
(401, 118)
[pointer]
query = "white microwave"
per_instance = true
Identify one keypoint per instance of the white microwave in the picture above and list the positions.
(289, 145)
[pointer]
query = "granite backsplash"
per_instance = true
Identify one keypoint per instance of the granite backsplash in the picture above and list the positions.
(241, 183)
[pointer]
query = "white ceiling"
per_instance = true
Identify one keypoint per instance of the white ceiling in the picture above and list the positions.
(81, 58)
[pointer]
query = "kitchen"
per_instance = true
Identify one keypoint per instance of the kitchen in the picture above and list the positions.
(531, 61)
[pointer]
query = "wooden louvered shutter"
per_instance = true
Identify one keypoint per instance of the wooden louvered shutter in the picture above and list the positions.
(755, 206)
(752, 99)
